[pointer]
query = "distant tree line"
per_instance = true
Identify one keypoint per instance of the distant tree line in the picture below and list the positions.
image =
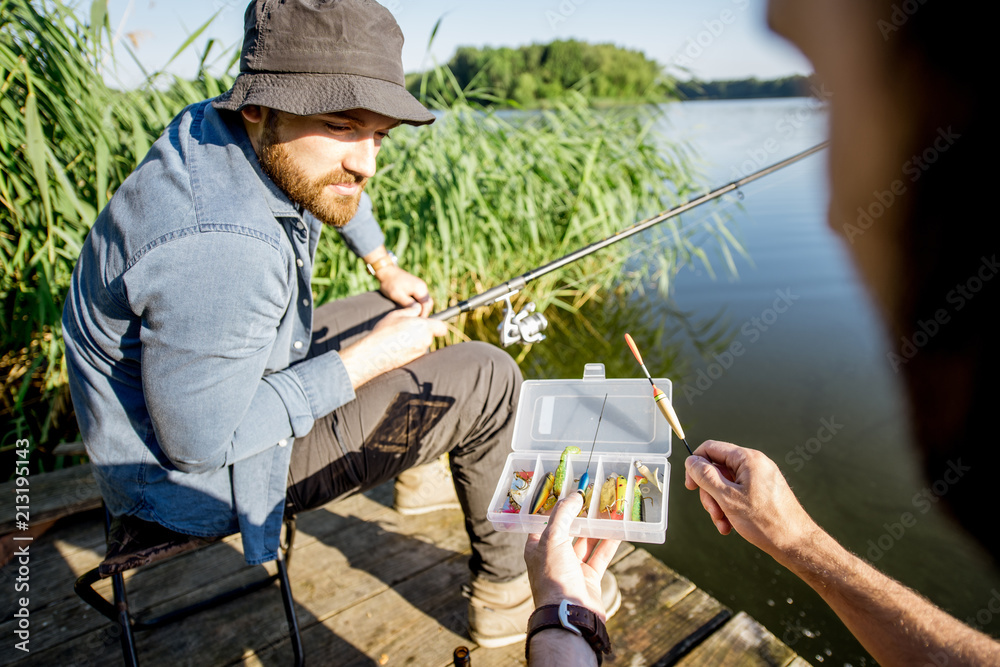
(531, 75)
(789, 86)
(534, 75)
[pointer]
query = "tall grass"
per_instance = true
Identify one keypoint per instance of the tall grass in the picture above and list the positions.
(476, 198)
(67, 141)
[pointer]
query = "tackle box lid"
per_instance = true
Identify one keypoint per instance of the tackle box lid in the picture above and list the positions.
(554, 414)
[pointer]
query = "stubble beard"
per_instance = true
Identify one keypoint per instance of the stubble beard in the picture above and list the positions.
(310, 193)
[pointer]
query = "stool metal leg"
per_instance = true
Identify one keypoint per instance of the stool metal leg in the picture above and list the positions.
(289, 602)
(124, 621)
(282, 562)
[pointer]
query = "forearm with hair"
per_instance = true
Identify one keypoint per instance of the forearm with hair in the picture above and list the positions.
(895, 624)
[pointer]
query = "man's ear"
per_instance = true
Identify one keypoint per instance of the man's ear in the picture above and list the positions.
(252, 113)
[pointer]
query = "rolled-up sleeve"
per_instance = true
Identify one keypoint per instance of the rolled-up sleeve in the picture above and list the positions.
(363, 234)
(205, 351)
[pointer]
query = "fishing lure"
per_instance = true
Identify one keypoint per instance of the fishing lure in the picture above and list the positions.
(543, 494)
(587, 495)
(637, 500)
(608, 493)
(651, 476)
(518, 491)
(561, 470)
(553, 486)
(620, 500)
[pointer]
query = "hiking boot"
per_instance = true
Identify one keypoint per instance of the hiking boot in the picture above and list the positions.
(498, 612)
(425, 488)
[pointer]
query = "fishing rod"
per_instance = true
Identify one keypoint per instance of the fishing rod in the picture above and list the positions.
(527, 325)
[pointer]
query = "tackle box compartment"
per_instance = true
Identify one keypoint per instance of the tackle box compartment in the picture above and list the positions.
(555, 414)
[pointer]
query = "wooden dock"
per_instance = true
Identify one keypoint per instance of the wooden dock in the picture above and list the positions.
(373, 588)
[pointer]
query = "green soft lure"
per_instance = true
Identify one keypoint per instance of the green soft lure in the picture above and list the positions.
(637, 500)
(561, 470)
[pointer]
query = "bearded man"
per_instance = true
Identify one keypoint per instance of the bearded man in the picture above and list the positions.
(212, 396)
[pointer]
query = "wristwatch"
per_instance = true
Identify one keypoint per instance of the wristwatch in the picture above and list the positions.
(578, 620)
(383, 261)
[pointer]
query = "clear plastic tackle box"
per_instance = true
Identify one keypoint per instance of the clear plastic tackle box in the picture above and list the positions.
(555, 414)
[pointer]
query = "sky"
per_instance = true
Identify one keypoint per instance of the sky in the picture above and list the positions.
(709, 39)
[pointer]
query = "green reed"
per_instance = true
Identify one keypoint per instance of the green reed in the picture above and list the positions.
(67, 140)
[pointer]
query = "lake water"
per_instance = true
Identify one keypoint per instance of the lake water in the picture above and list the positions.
(818, 369)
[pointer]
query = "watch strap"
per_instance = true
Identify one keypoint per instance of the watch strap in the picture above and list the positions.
(573, 618)
(382, 262)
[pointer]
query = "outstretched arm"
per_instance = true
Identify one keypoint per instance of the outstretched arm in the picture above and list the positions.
(894, 623)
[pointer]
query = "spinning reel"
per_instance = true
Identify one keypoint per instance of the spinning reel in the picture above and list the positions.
(520, 327)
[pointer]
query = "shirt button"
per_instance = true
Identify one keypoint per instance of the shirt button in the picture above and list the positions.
(297, 345)
(299, 262)
(305, 302)
(283, 442)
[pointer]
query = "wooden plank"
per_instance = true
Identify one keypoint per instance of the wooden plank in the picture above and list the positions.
(53, 495)
(419, 622)
(323, 576)
(660, 610)
(51, 578)
(163, 586)
(80, 532)
(156, 588)
(327, 578)
(10, 546)
(744, 642)
(70, 449)
(97, 648)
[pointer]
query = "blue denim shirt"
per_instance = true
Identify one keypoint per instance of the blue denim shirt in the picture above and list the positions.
(187, 324)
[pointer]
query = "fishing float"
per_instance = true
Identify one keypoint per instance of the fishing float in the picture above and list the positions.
(659, 397)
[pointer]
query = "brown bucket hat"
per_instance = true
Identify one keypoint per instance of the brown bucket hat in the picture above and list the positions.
(321, 56)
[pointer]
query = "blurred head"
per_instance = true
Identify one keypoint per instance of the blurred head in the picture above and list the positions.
(908, 156)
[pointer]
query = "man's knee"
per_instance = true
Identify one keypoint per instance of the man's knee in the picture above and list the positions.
(502, 368)
(483, 374)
